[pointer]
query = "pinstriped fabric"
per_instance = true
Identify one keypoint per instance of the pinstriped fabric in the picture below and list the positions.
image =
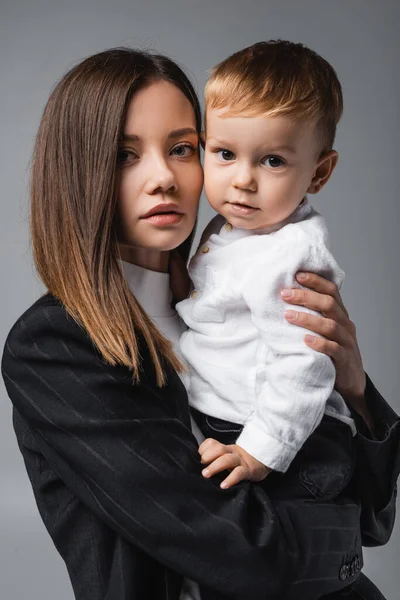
(119, 483)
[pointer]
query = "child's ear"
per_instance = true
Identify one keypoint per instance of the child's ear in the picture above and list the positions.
(202, 137)
(323, 171)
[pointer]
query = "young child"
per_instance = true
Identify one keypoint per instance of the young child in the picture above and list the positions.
(271, 116)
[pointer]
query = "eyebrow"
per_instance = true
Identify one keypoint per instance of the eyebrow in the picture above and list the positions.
(283, 149)
(272, 150)
(176, 133)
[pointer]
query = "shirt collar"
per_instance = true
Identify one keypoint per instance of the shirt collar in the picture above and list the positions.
(150, 288)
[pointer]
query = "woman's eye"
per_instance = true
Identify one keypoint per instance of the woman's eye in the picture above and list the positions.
(125, 156)
(273, 161)
(183, 150)
(226, 154)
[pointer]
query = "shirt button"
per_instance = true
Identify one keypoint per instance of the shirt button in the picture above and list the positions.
(205, 249)
(228, 227)
(193, 294)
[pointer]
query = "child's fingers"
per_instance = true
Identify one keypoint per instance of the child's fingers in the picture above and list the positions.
(213, 451)
(206, 444)
(238, 474)
(209, 443)
(226, 462)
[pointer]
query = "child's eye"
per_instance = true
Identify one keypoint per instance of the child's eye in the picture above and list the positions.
(225, 154)
(183, 150)
(273, 161)
(124, 156)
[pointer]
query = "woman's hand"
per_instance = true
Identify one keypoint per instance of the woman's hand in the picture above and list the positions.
(339, 339)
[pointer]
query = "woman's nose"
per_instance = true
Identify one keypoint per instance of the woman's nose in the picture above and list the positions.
(161, 178)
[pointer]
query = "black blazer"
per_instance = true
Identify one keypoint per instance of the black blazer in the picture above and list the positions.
(116, 476)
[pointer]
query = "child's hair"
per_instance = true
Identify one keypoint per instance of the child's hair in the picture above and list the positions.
(74, 188)
(277, 78)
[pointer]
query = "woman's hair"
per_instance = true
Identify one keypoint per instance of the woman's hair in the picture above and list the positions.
(74, 192)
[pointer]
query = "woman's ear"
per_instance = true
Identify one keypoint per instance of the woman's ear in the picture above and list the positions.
(323, 171)
(202, 137)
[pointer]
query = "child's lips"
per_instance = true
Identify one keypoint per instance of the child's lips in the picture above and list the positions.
(242, 209)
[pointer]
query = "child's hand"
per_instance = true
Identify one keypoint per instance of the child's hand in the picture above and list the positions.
(242, 465)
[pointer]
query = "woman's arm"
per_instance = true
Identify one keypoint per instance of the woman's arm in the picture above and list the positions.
(378, 467)
(124, 453)
(378, 440)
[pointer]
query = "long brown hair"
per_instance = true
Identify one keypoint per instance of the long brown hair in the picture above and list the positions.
(74, 197)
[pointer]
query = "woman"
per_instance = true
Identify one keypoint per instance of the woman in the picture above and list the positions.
(100, 413)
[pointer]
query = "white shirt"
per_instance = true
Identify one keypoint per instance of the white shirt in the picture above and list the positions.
(247, 364)
(152, 290)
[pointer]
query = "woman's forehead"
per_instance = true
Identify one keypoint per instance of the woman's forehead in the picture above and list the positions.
(159, 106)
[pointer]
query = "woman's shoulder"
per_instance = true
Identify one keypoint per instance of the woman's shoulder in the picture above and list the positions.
(37, 313)
(46, 318)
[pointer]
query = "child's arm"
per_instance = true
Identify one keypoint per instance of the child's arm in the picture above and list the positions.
(297, 380)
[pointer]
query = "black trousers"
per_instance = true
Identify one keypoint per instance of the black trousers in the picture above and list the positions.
(227, 433)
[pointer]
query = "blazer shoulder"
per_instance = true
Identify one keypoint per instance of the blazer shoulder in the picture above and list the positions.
(47, 316)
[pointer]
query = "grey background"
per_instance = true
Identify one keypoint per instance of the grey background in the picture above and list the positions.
(40, 39)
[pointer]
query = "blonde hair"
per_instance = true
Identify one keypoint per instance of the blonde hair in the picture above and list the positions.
(277, 78)
(74, 186)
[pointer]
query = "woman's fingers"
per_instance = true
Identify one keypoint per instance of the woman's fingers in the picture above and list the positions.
(327, 305)
(321, 325)
(332, 349)
(322, 286)
(339, 339)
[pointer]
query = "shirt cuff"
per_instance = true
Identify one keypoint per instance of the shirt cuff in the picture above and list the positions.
(268, 450)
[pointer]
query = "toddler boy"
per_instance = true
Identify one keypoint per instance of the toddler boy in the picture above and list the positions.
(271, 116)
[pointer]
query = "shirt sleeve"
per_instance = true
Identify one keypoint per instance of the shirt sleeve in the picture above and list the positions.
(296, 381)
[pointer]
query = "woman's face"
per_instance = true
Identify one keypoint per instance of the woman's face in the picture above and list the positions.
(160, 174)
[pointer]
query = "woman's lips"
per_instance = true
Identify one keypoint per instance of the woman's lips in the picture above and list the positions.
(165, 218)
(164, 214)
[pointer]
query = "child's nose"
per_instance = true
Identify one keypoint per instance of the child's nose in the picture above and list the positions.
(244, 179)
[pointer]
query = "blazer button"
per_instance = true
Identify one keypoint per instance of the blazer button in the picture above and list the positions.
(205, 249)
(357, 564)
(344, 572)
(228, 227)
(193, 294)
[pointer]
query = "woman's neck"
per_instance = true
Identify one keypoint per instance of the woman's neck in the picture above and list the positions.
(154, 260)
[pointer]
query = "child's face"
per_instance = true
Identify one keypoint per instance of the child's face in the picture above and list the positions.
(258, 169)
